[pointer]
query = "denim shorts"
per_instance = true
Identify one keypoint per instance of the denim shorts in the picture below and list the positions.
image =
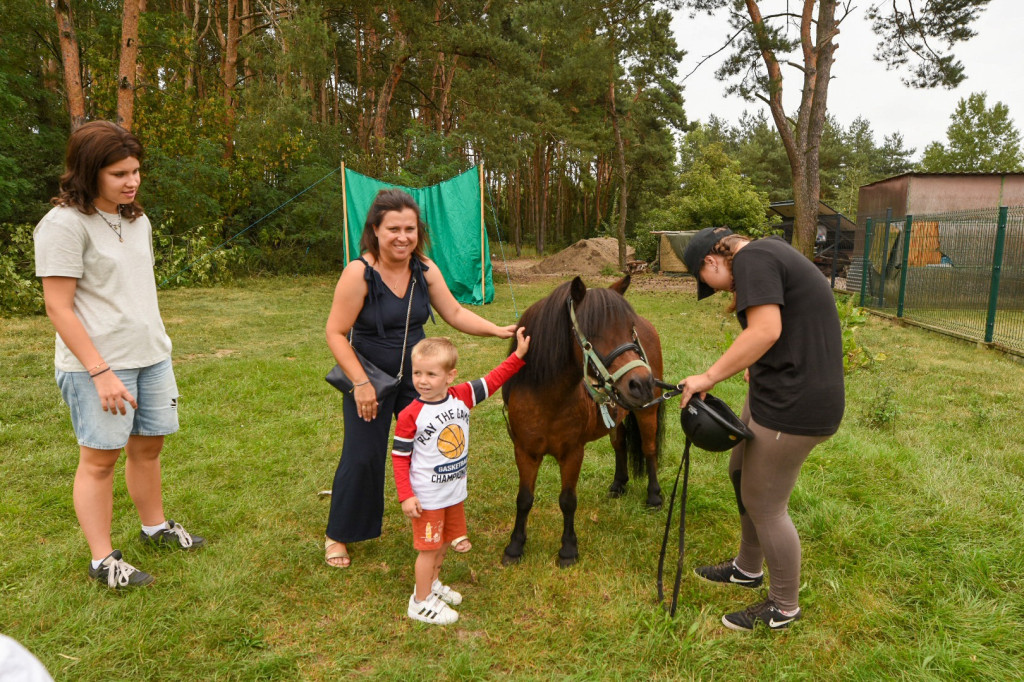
(154, 389)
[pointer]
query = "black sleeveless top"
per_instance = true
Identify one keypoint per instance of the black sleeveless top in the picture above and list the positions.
(379, 329)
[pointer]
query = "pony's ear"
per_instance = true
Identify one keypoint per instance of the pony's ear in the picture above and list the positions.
(621, 285)
(577, 290)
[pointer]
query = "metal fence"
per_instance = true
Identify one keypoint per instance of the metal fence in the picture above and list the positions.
(961, 272)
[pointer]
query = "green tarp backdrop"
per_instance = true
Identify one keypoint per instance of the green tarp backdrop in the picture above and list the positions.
(453, 212)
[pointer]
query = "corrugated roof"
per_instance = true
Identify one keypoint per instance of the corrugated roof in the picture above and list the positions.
(971, 174)
(787, 211)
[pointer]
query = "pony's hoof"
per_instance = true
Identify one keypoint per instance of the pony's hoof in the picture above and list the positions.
(566, 562)
(508, 559)
(654, 502)
(616, 490)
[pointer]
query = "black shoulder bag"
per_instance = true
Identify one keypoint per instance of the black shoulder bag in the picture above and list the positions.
(383, 383)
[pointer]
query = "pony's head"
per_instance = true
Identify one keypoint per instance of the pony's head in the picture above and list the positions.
(605, 319)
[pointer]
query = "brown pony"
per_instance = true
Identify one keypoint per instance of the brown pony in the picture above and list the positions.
(552, 411)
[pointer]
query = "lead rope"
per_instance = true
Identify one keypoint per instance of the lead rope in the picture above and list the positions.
(684, 466)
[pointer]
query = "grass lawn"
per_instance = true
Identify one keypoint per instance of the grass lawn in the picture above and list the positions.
(911, 519)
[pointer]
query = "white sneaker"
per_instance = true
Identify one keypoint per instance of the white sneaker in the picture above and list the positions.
(431, 610)
(447, 594)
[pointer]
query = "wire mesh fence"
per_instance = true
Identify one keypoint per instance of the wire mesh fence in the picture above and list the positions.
(957, 272)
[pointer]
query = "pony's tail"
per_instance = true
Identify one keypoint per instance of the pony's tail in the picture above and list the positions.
(634, 449)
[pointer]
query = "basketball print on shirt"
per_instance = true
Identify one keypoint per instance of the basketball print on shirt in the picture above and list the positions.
(431, 443)
(451, 442)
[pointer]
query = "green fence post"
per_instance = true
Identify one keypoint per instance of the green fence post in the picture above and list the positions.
(904, 265)
(885, 258)
(835, 249)
(997, 267)
(866, 263)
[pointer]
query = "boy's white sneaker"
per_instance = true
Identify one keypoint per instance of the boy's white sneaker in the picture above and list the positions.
(431, 610)
(447, 594)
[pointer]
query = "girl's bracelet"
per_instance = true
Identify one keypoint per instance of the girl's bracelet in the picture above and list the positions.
(93, 376)
(361, 384)
(102, 363)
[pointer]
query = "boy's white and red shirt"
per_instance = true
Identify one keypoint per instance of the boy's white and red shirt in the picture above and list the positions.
(437, 475)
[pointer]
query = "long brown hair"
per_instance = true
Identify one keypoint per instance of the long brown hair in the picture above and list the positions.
(392, 200)
(92, 147)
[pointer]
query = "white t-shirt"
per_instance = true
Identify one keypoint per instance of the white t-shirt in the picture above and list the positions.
(115, 297)
(17, 664)
(431, 445)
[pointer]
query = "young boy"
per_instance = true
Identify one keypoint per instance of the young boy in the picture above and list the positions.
(429, 458)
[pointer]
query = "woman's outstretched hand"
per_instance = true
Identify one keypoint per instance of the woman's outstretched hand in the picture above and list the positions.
(696, 384)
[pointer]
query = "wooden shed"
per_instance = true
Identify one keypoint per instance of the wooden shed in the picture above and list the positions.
(671, 245)
(834, 240)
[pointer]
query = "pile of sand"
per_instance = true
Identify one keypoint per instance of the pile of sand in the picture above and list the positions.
(585, 257)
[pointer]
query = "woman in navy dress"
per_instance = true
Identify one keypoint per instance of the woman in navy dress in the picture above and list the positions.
(372, 301)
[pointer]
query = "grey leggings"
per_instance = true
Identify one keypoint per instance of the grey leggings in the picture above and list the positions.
(763, 472)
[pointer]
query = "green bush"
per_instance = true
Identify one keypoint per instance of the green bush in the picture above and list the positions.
(20, 290)
(883, 411)
(195, 257)
(852, 316)
(646, 245)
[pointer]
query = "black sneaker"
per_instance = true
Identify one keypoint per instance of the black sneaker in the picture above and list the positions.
(174, 536)
(766, 612)
(118, 573)
(726, 572)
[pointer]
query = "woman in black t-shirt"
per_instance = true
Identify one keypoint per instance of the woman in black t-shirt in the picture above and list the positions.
(791, 351)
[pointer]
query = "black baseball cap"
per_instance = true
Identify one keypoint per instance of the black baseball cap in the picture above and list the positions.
(699, 246)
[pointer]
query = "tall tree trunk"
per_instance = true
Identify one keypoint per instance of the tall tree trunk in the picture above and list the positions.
(51, 70)
(802, 139)
(72, 65)
(129, 63)
(246, 28)
(542, 169)
(229, 74)
(584, 205)
(335, 89)
(620, 152)
(367, 44)
(602, 187)
(387, 92)
(514, 208)
(559, 215)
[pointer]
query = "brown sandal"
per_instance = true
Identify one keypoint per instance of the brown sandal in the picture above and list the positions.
(343, 555)
(458, 541)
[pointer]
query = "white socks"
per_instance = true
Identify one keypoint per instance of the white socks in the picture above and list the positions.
(749, 575)
(153, 530)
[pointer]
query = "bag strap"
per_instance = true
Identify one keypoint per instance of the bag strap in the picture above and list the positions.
(408, 314)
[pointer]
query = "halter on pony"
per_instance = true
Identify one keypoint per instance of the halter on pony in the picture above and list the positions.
(600, 384)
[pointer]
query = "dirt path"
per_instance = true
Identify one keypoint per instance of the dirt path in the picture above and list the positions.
(524, 271)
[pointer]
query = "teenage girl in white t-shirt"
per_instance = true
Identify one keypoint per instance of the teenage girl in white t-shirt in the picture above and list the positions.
(94, 253)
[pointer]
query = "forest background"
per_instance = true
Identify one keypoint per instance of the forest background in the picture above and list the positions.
(575, 110)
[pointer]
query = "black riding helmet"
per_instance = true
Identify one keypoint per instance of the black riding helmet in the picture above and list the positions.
(711, 425)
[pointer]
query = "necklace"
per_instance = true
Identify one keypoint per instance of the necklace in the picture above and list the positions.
(394, 287)
(117, 230)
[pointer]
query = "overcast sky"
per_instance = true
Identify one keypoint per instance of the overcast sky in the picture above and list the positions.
(994, 63)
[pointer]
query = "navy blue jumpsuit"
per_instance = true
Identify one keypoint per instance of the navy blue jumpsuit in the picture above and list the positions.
(357, 498)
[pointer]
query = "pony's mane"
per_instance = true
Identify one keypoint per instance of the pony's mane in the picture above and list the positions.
(552, 344)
